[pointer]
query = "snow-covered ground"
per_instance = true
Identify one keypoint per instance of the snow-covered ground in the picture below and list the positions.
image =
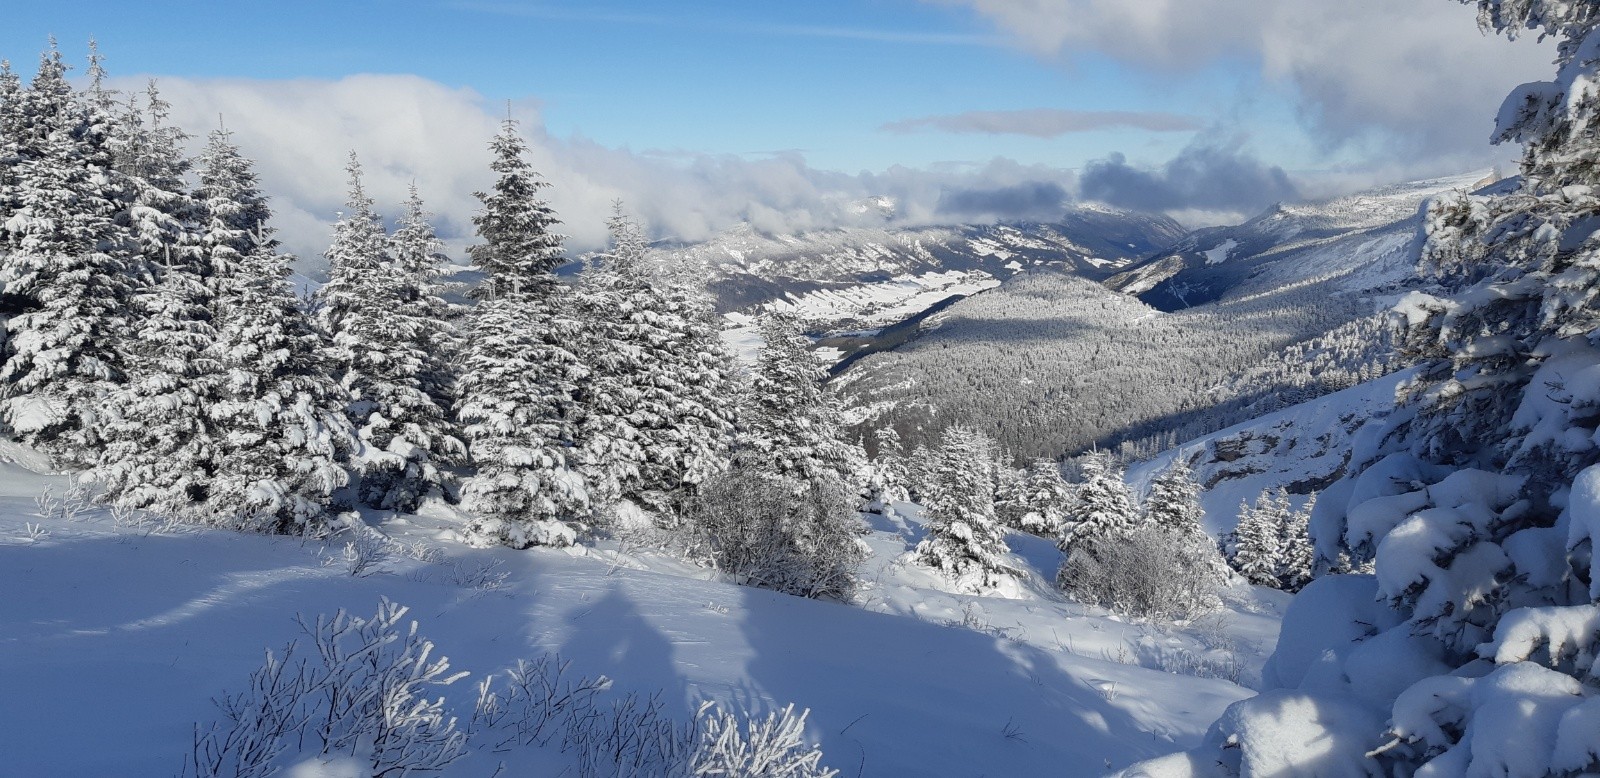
(114, 640)
(881, 304)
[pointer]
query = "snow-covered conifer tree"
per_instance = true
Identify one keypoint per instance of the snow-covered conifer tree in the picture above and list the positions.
(281, 436)
(964, 541)
(67, 258)
(421, 262)
(789, 425)
(519, 372)
(160, 446)
(1103, 510)
(520, 249)
(1174, 500)
(654, 411)
(1297, 556)
(1259, 538)
(1034, 500)
(382, 348)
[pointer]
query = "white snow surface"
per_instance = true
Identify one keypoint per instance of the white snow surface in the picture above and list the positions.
(1219, 254)
(124, 635)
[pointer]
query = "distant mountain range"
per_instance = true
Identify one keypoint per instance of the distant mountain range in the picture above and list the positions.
(1366, 239)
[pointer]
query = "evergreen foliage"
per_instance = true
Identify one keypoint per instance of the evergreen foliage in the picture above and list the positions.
(1035, 500)
(161, 446)
(71, 268)
(520, 249)
(653, 413)
(1103, 511)
(380, 320)
(1259, 538)
(964, 540)
(788, 424)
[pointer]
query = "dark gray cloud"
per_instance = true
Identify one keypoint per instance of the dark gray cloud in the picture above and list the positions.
(1046, 122)
(1029, 199)
(1205, 176)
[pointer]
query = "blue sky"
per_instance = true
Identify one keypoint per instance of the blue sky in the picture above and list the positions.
(819, 77)
(705, 113)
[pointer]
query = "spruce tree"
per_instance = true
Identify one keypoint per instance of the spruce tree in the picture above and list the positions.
(519, 373)
(72, 268)
(789, 425)
(281, 436)
(654, 416)
(1174, 500)
(1035, 500)
(421, 262)
(381, 331)
(161, 448)
(515, 388)
(964, 540)
(1297, 555)
(520, 249)
(1103, 510)
(10, 139)
(1259, 546)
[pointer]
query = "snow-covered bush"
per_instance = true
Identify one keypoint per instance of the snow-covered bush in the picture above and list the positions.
(541, 704)
(356, 700)
(1148, 572)
(360, 695)
(778, 533)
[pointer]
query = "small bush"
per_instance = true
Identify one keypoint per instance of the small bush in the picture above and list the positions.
(359, 698)
(778, 533)
(1146, 573)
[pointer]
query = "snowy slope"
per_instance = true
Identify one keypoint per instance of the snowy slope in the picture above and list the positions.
(128, 633)
(1364, 239)
(1302, 448)
(749, 266)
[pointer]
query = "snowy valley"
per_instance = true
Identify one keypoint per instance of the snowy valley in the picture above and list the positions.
(1082, 493)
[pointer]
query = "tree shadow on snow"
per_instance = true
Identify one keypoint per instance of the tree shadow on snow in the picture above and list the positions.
(895, 696)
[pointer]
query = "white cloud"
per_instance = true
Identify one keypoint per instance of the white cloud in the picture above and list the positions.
(408, 129)
(1404, 77)
(1046, 122)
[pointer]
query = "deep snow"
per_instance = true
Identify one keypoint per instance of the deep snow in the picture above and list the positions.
(114, 639)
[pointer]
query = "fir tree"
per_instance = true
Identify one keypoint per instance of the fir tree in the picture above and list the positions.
(964, 541)
(72, 267)
(1259, 547)
(357, 259)
(519, 373)
(161, 213)
(1297, 555)
(514, 379)
(1103, 510)
(520, 249)
(1035, 500)
(654, 415)
(1174, 500)
(419, 256)
(160, 450)
(10, 139)
(381, 329)
(789, 425)
(282, 436)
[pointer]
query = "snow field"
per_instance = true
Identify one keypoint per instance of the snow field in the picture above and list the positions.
(128, 633)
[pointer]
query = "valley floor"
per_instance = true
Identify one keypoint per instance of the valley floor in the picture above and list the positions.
(114, 640)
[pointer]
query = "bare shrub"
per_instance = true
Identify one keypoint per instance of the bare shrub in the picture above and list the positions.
(361, 695)
(1146, 573)
(778, 533)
